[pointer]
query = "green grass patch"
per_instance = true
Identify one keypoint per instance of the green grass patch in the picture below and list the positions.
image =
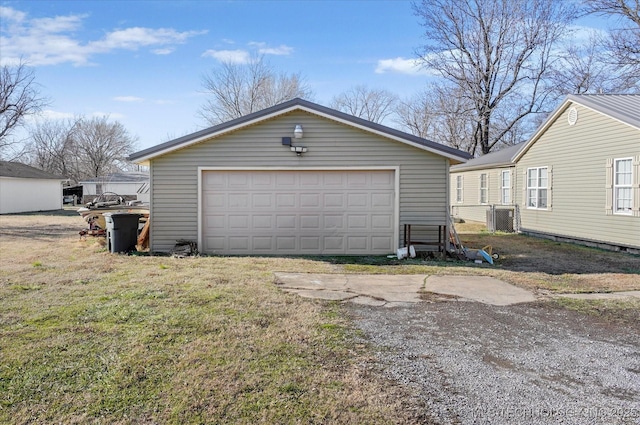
(622, 311)
(147, 339)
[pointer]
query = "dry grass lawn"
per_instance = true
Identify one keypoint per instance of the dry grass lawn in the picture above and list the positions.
(87, 336)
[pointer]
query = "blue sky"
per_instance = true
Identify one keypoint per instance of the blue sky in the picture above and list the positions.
(142, 62)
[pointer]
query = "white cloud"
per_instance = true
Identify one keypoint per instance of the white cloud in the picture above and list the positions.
(51, 41)
(165, 51)
(128, 99)
(231, 56)
(263, 49)
(9, 14)
(242, 56)
(400, 65)
(49, 114)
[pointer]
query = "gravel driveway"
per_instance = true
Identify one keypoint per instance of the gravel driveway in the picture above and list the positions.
(472, 363)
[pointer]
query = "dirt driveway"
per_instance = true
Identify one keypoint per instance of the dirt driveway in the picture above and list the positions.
(472, 363)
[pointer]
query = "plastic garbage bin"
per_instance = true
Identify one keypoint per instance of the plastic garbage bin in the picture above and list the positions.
(122, 231)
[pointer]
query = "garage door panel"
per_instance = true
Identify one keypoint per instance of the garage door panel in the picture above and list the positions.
(215, 200)
(379, 200)
(239, 181)
(285, 200)
(285, 180)
(333, 243)
(358, 199)
(263, 222)
(309, 200)
(357, 221)
(285, 243)
(262, 243)
(261, 200)
(310, 243)
(382, 222)
(382, 243)
(382, 180)
(357, 242)
(289, 212)
(238, 200)
(334, 200)
(333, 222)
(310, 222)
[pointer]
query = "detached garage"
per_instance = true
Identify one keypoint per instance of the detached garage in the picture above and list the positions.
(296, 178)
(24, 189)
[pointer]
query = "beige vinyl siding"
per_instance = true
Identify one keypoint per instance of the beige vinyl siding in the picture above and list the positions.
(423, 176)
(578, 155)
(471, 208)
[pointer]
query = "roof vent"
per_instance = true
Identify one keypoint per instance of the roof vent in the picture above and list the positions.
(572, 118)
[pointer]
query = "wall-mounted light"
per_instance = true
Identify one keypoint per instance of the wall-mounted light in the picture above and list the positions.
(297, 133)
(299, 150)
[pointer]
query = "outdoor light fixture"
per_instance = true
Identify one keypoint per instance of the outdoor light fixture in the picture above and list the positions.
(299, 150)
(297, 134)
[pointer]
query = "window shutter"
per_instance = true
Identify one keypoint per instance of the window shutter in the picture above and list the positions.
(525, 183)
(636, 186)
(512, 181)
(608, 206)
(550, 188)
(488, 188)
(462, 189)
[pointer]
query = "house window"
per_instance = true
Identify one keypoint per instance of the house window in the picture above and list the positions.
(537, 185)
(483, 188)
(622, 189)
(458, 188)
(506, 187)
(98, 188)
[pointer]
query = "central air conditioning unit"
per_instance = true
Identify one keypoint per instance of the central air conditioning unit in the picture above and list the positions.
(500, 219)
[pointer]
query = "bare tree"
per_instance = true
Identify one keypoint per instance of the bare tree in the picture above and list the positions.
(624, 39)
(236, 90)
(52, 147)
(586, 68)
(102, 145)
(492, 53)
(417, 115)
(81, 147)
(19, 98)
(370, 104)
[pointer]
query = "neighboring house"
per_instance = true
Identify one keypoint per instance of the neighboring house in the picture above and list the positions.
(482, 182)
(296, 178)
(578, 177)
(25, 189)
(134, 185)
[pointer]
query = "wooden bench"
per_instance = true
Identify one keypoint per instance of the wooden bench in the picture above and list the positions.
(441, 243)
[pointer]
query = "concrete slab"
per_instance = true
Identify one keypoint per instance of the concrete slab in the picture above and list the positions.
(362, 300)
(401, 290)
(324, 295)
(312, 280)
(484, 289)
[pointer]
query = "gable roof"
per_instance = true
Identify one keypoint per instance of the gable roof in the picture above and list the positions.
(138, 177)
(624, 108)
(502, 158)
(24, 171)
(298, 104)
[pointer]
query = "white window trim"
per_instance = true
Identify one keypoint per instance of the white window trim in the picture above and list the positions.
(503, 187)
(485, 189)
(537, 188)
(629, 186)
(459, 189)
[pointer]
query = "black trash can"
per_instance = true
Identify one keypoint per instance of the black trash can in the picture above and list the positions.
(122, 231)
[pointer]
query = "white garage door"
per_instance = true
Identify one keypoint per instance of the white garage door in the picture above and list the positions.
(298, 212)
